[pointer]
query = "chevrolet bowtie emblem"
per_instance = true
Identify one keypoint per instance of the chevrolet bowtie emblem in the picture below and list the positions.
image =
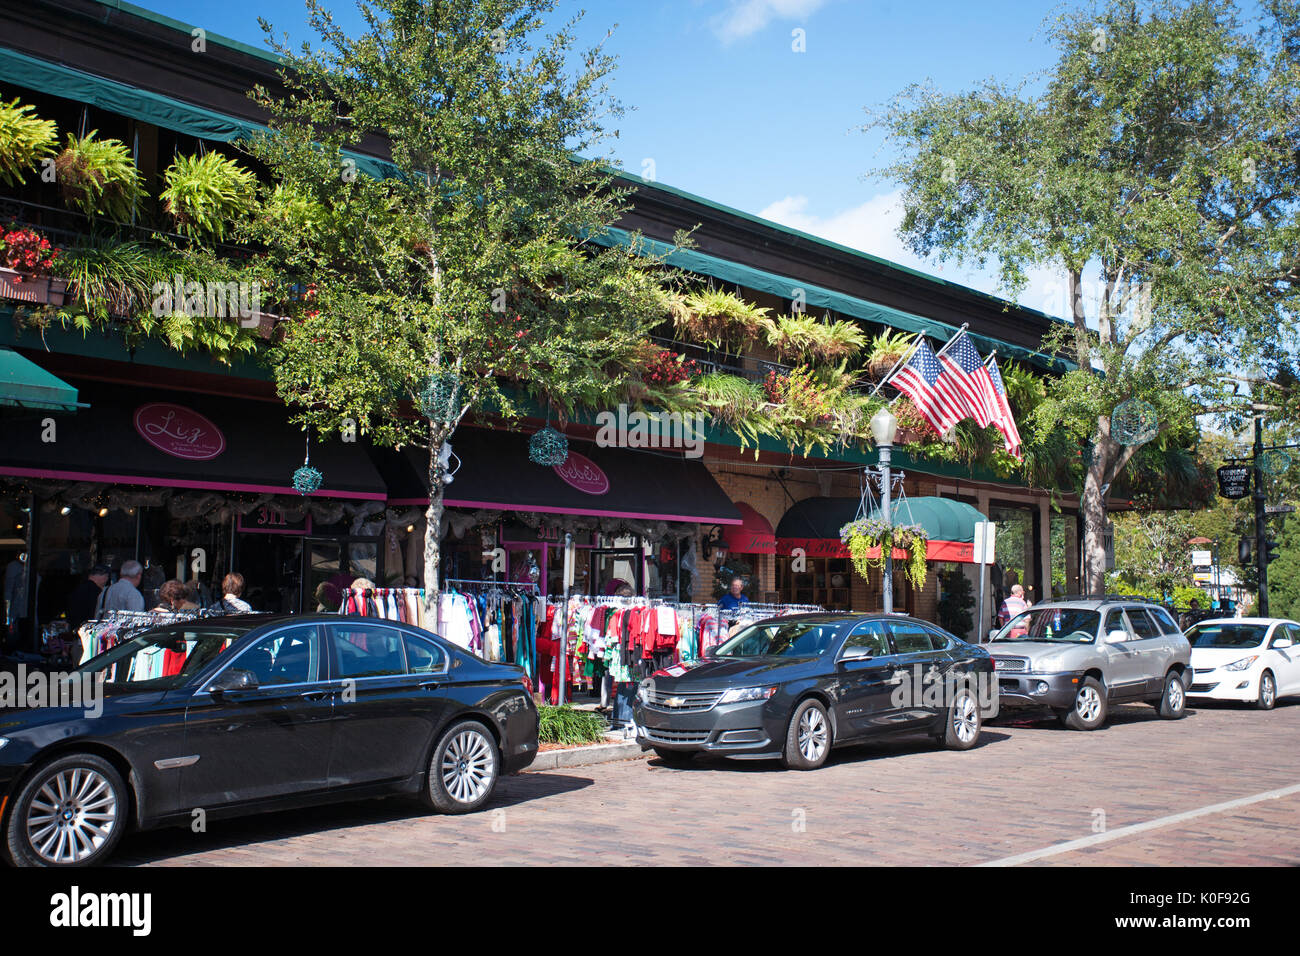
(674, 702)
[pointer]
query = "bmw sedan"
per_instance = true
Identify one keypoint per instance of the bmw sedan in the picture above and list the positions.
(795, 687)
(238, 715)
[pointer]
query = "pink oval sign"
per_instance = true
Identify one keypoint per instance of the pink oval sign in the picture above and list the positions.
(178, 431)
(584, 474)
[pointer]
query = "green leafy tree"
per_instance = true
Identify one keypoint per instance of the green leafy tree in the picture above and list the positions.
(1155, 168)
(1151, 550)
(465, 283)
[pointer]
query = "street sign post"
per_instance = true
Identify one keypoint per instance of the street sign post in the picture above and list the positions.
(985, 535)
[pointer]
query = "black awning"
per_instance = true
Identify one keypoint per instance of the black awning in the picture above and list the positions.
(495, 472)
(171, 439)
(817, 518)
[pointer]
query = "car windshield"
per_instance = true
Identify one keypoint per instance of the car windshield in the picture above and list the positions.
(1226, 635)
(162, 658)
(1061, 625)
(777, 639)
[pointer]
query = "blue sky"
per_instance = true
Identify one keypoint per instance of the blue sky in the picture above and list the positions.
(725, 108)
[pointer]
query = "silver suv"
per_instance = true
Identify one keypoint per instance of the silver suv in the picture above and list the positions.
(1077, 657)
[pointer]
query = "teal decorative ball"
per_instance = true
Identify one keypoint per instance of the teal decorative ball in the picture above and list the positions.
(1134, 422)
(438, 396)
(306, 480)
(548, 447)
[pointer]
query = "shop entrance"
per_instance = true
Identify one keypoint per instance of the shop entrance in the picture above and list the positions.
(614, 570)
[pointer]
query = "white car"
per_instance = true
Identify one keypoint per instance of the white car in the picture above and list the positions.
(1252, 659)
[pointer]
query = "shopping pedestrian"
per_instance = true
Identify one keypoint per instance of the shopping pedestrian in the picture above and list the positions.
(735, 596)
(232, 587)
(1013, 605)
(171, 597)
(85, 596)
(124, 594)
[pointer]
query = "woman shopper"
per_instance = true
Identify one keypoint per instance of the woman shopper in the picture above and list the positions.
(232, 586)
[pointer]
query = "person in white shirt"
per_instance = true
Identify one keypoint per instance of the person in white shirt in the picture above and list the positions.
(124, 594)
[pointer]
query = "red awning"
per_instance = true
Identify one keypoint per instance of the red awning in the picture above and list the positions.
(753, 536)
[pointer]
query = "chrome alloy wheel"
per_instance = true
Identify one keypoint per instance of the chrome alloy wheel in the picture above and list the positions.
(964, 718)
(71, 816)
(467, 766)
(1088, 703)
(814, 734)
(1175, 695)
(1267, 690)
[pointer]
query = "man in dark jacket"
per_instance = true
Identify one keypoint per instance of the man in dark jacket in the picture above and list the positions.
(81, 604)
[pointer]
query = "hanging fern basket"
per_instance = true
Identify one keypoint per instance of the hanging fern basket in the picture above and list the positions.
(548, 447)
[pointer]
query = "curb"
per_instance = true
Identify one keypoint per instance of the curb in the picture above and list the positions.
(582, 756)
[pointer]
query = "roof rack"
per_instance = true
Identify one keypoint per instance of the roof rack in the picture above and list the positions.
(1107, 597)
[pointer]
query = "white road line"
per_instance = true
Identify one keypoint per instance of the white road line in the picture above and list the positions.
(1122, 832)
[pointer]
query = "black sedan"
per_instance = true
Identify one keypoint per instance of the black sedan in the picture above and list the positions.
(795, 687)
(238, 715)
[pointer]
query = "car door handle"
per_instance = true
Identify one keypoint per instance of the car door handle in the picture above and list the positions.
(428, 685)
(316, 695)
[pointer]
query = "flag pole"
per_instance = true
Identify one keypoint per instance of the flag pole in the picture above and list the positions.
(948, 345)
(907, 354)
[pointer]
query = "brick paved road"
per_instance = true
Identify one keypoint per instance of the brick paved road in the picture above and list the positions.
(1029, 785)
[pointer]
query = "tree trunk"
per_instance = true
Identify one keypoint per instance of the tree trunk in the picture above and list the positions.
(433, 523)
(1093, 506)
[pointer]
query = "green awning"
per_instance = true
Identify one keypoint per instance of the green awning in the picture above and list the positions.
(942, 519)
(24, 384)
(700, 263)
(19, 69)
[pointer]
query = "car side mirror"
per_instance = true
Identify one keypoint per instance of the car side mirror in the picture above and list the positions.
(708, 652)
(233, 679)
(856, 654)
(1281, 643)
(1117, 637)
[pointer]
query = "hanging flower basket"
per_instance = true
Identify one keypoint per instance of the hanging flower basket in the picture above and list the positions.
(868, 539)
(548, 447)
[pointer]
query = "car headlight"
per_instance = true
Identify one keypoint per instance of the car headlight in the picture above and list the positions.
(738, 694)
(1242, 664)
(643, 694)
(3, 741)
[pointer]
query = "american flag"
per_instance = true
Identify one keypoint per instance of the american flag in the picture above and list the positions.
(967, 369)
(933, 392)
(1003, 419)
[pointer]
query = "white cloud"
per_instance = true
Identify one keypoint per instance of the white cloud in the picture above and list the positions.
(872, 227)
(744, 18)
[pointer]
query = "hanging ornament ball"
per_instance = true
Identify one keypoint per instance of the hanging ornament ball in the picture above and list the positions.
(1134, 422)
(307, 479)
(1275, 461)
(438, 395)
(548, 447)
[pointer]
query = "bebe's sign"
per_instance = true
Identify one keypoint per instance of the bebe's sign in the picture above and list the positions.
(178, 431)
(584, 474)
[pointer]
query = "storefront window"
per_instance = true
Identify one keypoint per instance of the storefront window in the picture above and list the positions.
(1015, 553)
(824, 581)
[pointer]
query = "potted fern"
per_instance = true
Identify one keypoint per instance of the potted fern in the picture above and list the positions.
(886, 350)
(719, 318)
(26, 261)
(25, 140)
(98, 177)
(205, 194)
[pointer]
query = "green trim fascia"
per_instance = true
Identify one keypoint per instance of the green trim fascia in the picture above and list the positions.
(109, 347)
(188, 29)
(926, 277)
(702, 263)
(19, 69)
